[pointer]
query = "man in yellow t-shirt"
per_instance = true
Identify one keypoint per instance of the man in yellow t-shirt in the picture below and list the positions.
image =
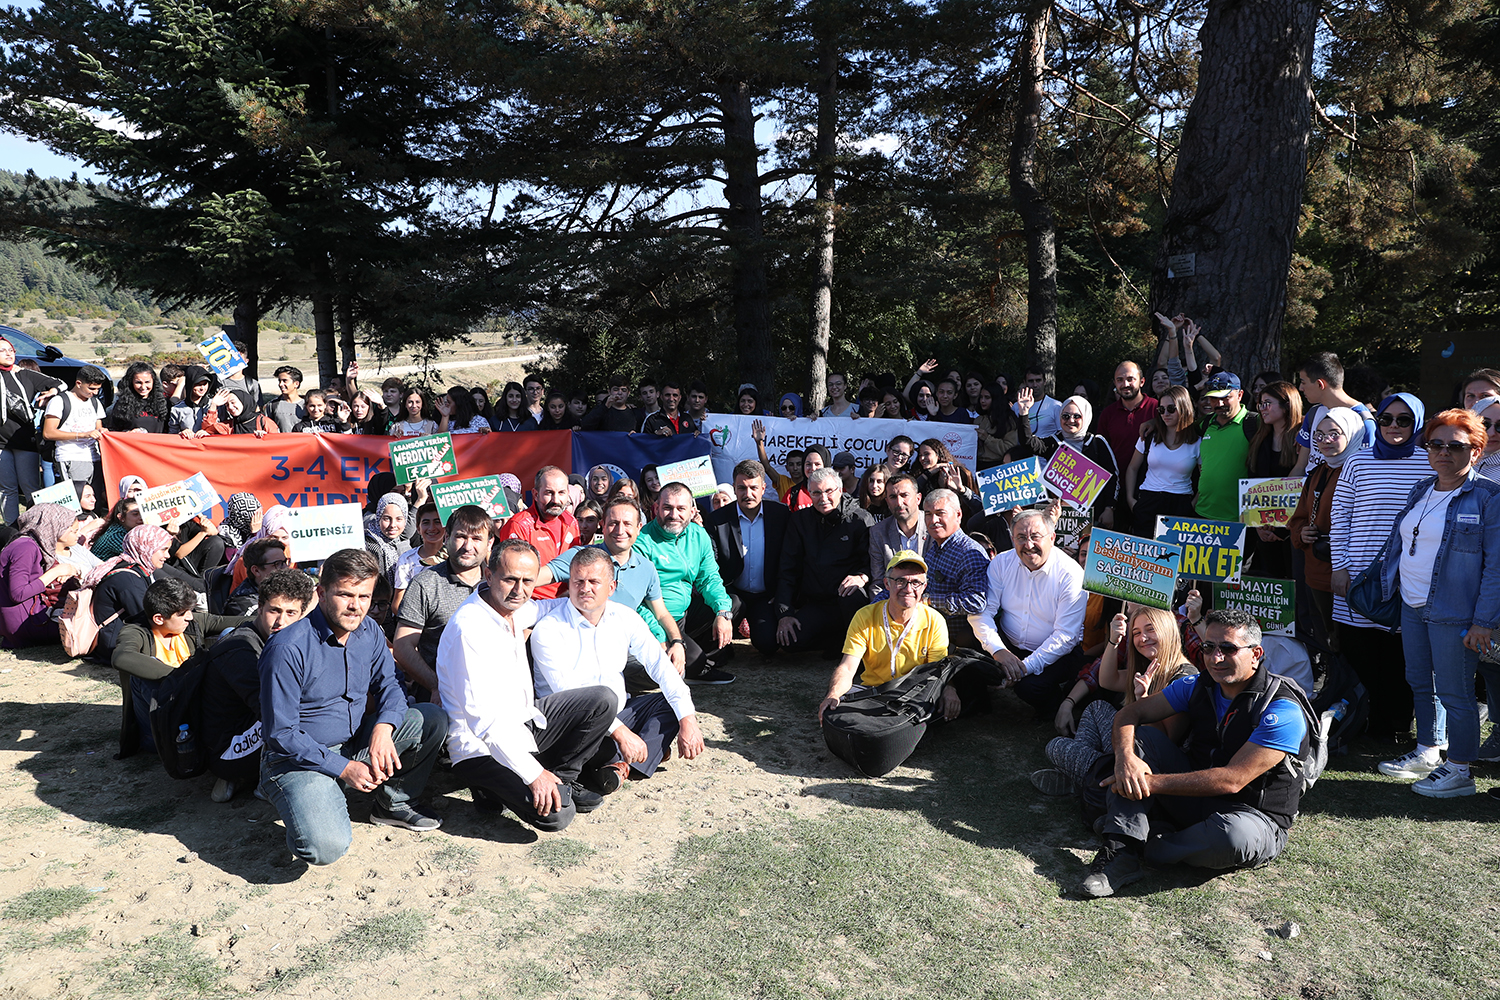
(886, 640)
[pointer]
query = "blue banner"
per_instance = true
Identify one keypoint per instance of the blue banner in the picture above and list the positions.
(627, 454)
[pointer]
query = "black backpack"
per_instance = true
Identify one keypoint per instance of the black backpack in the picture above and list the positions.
(1342, 702)
(876, 731)
(179, 701)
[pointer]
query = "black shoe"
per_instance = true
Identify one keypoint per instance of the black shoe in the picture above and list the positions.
(604, 780)
(1494, 792)
(585, 801)
(1111, 871)
(404, 816)
(713, 675)
(487, 802)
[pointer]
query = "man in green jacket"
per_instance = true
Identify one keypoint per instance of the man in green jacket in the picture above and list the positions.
(690, 584)
(1223, 444)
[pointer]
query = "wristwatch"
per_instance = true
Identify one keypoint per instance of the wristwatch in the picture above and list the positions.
(675, 642)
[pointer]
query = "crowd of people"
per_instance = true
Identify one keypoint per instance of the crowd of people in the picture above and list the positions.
(549, 656)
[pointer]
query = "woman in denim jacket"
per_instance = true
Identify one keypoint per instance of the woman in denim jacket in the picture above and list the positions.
(1443, 558)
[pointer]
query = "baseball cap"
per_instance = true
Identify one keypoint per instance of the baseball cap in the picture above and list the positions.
(1221, 384)
(906, 557)
(843, 458)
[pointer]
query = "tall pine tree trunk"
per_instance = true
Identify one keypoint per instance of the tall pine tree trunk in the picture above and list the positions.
(323, 331)
(823, 157)
(346, 331)
(247, 330)
(1238, 184)
(1031, 204)
(752, 307)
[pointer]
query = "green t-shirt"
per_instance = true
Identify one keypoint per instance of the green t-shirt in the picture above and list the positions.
(1221, 457)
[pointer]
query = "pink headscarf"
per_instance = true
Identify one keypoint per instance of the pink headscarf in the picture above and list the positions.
(141, 543)
(273, 520)
(45, 524)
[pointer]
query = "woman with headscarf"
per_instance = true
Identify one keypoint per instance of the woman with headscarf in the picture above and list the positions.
(242, 521)
(232, 411)
(1074, 420)
(131, 487)
(119, 584)
(1339, 435)
(20, 462)
(383, 531)
(1488, 408)
(1372, 489)
(273, 524)
(140, 404)
(32, 573)
(790, 406)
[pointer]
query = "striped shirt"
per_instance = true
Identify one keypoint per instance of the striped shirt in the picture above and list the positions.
(1369, 495)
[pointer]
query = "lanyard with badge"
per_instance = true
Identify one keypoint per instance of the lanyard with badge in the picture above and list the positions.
(894, 646)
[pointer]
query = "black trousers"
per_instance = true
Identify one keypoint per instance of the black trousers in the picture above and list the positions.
(696, 626)
(1045, 691)
(578, 721)
(823, 625)
(760, 611)
(1378, 658)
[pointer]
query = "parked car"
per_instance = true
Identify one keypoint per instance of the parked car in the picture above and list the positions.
(52, 361)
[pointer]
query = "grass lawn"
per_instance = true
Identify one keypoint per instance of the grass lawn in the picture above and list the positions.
(766, 869)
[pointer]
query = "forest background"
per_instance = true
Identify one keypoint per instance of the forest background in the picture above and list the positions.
(738, 190)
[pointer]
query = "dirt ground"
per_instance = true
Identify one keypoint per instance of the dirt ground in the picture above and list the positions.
(156, 856)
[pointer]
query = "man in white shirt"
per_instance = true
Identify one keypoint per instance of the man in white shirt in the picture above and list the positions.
(74, 422)
(1036, 599)
(509, 746)
(1045, 411)
(584, 640)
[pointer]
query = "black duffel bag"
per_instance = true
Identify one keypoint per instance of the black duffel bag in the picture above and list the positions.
(877, 729)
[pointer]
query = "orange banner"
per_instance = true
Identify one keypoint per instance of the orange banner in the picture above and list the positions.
(311, 470)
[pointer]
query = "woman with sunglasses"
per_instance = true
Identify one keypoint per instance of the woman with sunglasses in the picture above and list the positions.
(1488, 410)
(790, 406)
(1168, 450)
(1443, 560)
(1372, 489)
(1339, 435)
(1273, 452)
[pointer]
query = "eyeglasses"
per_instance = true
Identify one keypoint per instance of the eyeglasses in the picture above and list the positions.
(1169, 409)
(902, 583)
(1070, 417)
(1400, 420)
(273, 564)
(1224, 649)
(1451, 447)
(1327, 435)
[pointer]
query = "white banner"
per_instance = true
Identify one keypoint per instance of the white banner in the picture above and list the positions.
(729, 436)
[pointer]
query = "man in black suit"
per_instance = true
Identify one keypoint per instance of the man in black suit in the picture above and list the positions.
(747, 537)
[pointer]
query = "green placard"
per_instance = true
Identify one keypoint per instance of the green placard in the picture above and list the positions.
(427, 457)
(1274, 602)
(481, 491)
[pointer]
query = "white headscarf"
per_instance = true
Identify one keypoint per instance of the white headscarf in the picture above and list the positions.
(1353, 426)
(1087, 409)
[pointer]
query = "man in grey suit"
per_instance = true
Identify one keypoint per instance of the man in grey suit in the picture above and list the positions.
(903, 531)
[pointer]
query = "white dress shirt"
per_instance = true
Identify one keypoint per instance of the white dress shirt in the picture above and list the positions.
(484, 684)
(1040, 610)
(570, 653)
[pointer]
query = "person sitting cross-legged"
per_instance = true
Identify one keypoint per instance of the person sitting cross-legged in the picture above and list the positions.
(509, 746)
(825, 568)
(958, 567)
(583, 641)
(1232, 790)
(331, 711)
(232, 732)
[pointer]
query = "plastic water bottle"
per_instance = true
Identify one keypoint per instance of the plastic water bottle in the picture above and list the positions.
(1339, 710)
(187, 748)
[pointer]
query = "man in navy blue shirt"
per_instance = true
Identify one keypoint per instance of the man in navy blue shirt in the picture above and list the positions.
(317, 678)
(1231, 791)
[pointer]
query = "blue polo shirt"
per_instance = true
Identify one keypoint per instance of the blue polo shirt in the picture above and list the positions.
(636, 581)
(313, 691)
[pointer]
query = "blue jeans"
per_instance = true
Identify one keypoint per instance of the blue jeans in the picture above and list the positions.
(20, 476)
(312, 805)
(1441, 674)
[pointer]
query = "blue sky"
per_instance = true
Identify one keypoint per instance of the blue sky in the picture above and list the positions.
(21, 155)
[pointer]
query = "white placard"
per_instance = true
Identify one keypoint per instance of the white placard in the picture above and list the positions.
(865, 439)
(319, 532)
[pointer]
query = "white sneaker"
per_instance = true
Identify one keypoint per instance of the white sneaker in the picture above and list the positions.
(1410, 765)
(1446, 782)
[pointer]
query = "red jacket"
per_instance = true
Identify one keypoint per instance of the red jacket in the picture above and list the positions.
(549, 537)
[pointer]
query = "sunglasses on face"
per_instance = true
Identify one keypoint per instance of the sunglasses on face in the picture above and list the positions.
(1400, 420)
(788, 409)
(1327, 435)
(1224, 649)
(1169, 409)
(1451, 447)
(1490, 426)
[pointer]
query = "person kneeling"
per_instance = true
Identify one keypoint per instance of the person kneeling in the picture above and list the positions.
(510, 747)
(153, 644)
(231, 680)
(316, 678)
(1232, 789)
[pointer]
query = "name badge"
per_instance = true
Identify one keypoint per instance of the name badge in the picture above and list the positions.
(1468, 519)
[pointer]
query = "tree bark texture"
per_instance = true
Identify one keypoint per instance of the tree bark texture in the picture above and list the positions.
(823, 156)
(323, 332)
(1031, 204)
(345, 313)
(1238, 184)
(247, 330)
(746, 229)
